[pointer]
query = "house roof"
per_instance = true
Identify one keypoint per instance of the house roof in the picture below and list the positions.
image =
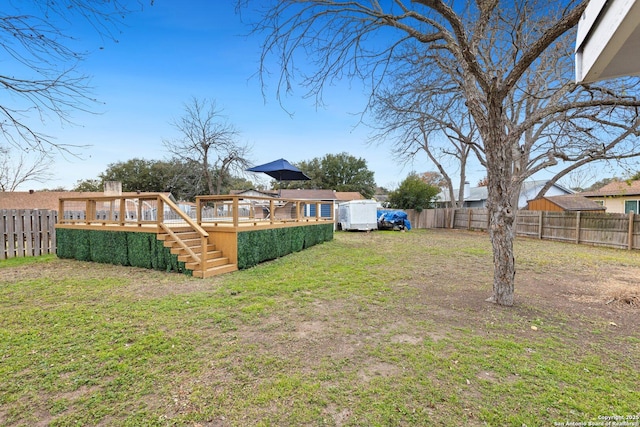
(308, 194)
(475, 194)
(538, 184)
(348, 195)
(45, 199)
(616, 188)
(297, 193)
(259, 193)
(38, 199)
(575, 202)
(482, 193)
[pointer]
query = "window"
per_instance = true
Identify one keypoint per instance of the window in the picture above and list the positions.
(631, 205)
(600, 202)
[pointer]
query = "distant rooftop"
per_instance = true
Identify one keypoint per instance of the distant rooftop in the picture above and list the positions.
(616, 188)
(575, 202)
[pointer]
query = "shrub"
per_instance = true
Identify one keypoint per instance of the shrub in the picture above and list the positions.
(117, 247)
(257, 246)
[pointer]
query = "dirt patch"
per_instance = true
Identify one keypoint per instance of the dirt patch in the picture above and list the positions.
(406, 339)
(378, 369)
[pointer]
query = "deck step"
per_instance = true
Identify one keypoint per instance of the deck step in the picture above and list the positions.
(182, 235)
(214, 271)
(189, 242)
(215, 262)
(179, 250)
(211, 254)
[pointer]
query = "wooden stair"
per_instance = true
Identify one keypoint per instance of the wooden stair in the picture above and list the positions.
(215, 261)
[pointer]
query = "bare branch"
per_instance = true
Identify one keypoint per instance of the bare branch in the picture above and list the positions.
(17, 171)
(38, 46)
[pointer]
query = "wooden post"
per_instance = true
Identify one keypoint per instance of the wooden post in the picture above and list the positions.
(204, 253)
(540, 213)
(19, 232)
(235, 211)
(123, 210)
(199, 211)
(28, 222)
(488, 219)
(272, 213)
(453, 218)
(60, 210)
(139, 212)
(470, 211)
(160, 212)
(89, 211)
(51, 234)
(578, 227)
(38, 233)
(11, 232)
(630, 233)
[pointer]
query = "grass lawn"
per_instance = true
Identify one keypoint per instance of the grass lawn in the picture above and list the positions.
(382, 328)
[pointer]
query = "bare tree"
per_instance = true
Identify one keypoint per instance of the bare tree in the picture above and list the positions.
(580, 179)
(41, 79)
(409, 119)
(17, 171)
(483, 54)
(209, 140)
(566, 132)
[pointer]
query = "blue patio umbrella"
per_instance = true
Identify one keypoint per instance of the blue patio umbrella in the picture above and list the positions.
(281, 170)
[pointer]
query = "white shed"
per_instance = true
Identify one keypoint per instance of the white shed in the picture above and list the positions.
(358, 215)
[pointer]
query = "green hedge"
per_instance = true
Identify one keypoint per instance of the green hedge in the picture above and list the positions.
(117, 247)
(146, 251)
(257, 246)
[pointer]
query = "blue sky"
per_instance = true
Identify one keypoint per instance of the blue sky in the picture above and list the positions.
(173, 51)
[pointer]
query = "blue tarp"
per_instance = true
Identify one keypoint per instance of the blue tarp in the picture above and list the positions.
(393, 220)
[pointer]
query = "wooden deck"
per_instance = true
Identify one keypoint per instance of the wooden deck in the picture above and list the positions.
(202, 235)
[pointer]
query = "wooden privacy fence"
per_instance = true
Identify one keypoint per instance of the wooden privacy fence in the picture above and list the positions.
(26, 232)
(601, 229)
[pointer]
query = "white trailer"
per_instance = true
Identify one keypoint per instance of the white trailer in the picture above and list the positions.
(358, 215)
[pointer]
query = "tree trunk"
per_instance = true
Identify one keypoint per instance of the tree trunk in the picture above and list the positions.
(499, 203)
(501, 233)
(207, 172)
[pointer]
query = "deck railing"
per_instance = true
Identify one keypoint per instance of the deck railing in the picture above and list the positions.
(156, 209)
(139, 210)
(237, 211)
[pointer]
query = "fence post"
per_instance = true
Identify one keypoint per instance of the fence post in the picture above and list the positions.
(578, 227)
(37, 234)
(453, 218)
(540, 224)
(51, 234)
(469, 218)
(630, 238)
(488, 219)
(11, 232)
(29, 230)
